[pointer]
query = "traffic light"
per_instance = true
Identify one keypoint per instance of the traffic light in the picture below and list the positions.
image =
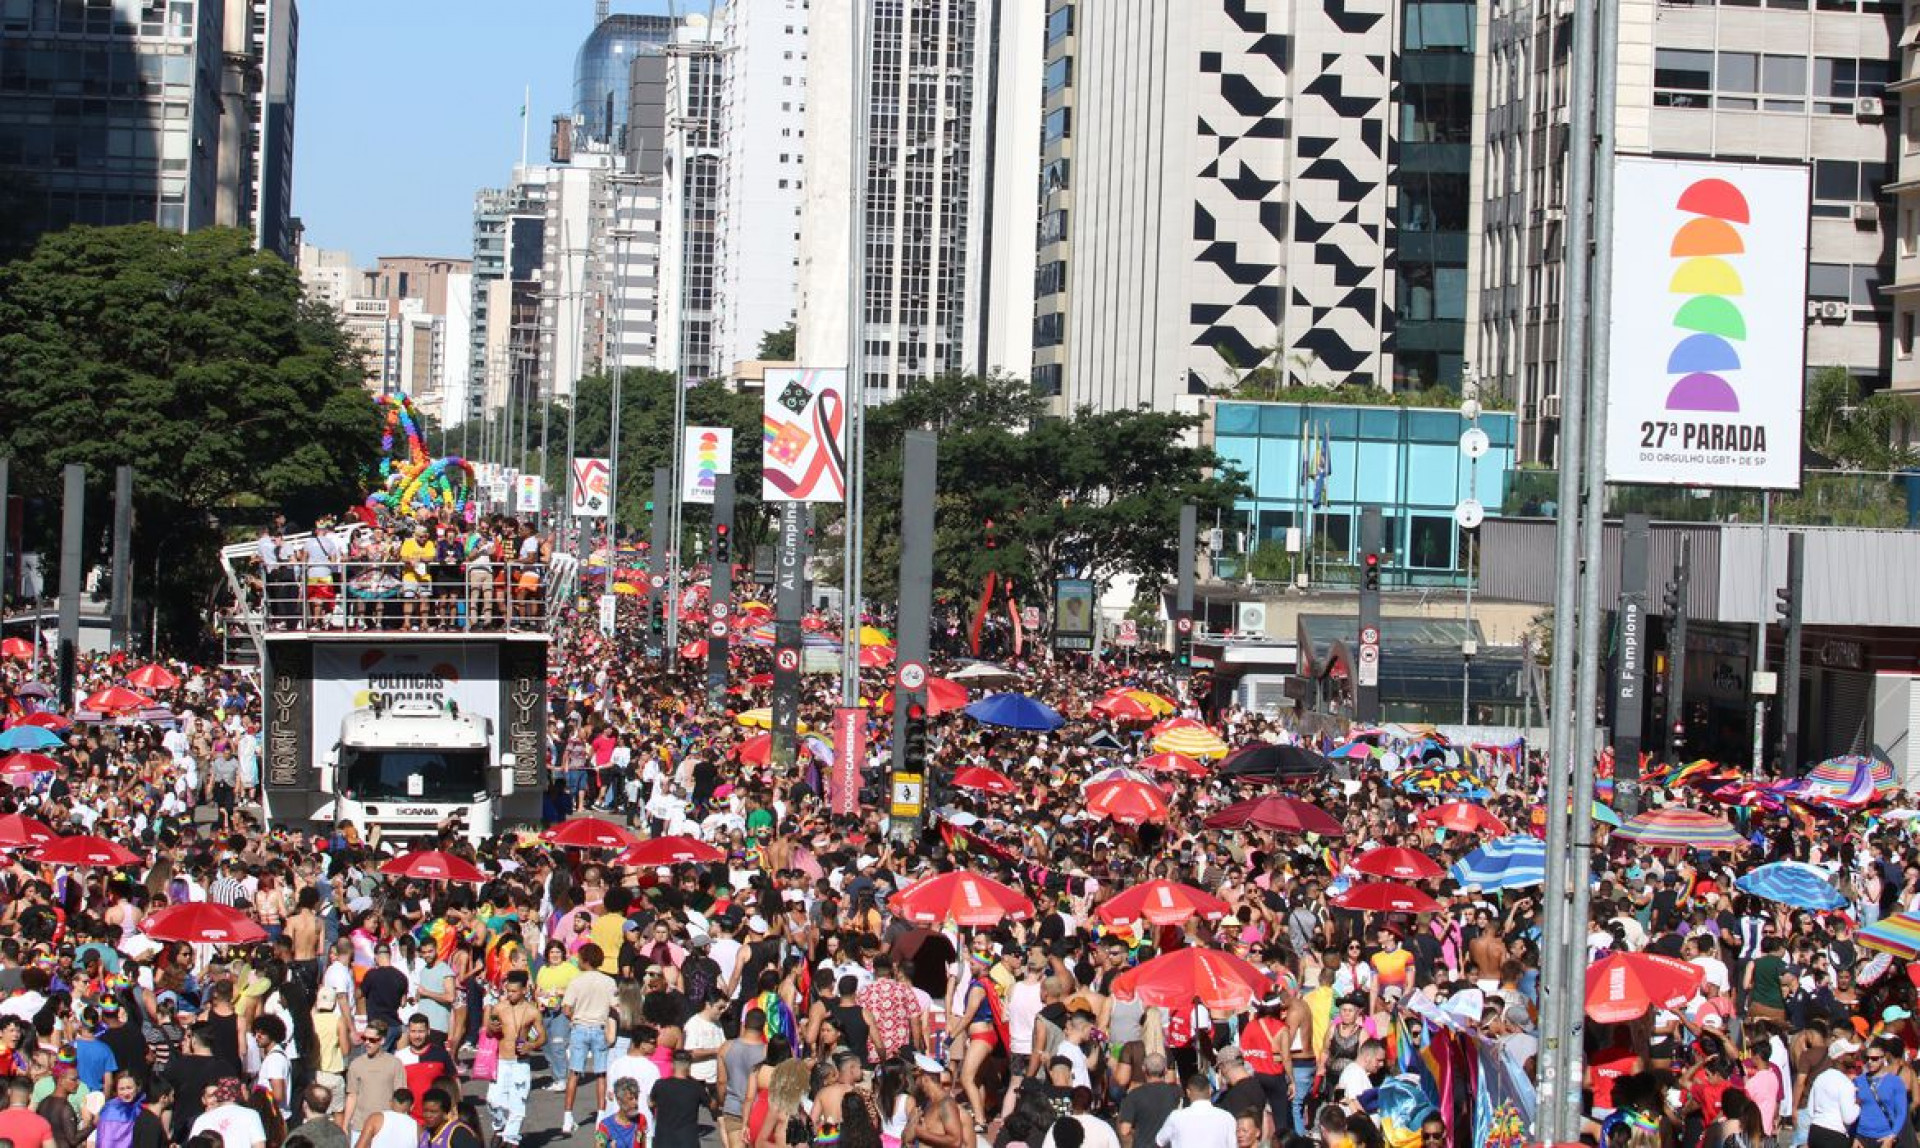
(1370, 579)
(649, 506)
(722, 544)
(1783, 604)
(1672, 599)
(913, 741)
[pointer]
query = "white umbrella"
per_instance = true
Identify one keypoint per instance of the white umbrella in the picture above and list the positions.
(984, 674)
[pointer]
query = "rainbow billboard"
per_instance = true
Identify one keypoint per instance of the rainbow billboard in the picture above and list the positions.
(1708, 338)
(708, 454)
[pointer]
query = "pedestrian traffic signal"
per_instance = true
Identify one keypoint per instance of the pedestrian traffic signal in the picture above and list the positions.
(1783, 607)
(722, 544)
(913, 741)
(1371, 577)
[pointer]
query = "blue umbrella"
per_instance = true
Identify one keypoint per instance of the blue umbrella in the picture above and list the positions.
(1791, 883)
(28, 737)
(1504, 863)
(1605, 816)
(1015, 711)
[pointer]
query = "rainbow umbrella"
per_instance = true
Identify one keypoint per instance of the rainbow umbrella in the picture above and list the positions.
(1898, 935)
(1851, 779)
(1678, 827)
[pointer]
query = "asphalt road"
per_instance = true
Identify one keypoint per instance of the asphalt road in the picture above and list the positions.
(542, 1126)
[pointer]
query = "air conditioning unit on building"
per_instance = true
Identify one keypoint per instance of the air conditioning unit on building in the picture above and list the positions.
(1550, 407)
(1556, 214)
(1868, 108)
(1866, 214)
(1250, 620)
(1833, 310)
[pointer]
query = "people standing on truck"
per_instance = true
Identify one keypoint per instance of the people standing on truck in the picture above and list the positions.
(483, 599)
(448, 577)
(417, 554)
(323, 554)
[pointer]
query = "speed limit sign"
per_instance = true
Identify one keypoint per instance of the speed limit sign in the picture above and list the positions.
(718, 609)
(913, 675)
(1369, 635)
(788, 660)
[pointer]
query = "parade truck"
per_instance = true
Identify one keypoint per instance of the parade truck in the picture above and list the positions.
(406, 731)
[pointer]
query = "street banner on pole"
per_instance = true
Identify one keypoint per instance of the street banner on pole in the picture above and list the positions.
(804, 421)
(788, 605)
(527, 492)
(592, 490)
(709, 454)
(1709, 324)
(849, 757)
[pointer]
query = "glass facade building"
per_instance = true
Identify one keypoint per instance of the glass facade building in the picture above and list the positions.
(109, 114)
(1434, 138)
(1407, 461)
(600, 73)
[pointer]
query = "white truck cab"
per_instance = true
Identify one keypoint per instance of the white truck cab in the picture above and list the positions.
(411, 767)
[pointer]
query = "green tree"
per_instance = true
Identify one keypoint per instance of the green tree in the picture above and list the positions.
(1095, 496)
(778, 345)
(192, 358)
(1857, 432)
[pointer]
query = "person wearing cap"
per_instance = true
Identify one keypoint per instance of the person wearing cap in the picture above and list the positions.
(937, 1120)
(1833, 1103)
(237, 1125)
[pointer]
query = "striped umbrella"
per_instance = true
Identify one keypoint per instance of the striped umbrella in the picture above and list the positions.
(1678, 827)
(1793, 883)
(1504, 863)
(1192, 742)
(1851, 779)
(1898, 935)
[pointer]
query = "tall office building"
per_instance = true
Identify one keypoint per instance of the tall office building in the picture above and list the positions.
(947, 210)
(1902, 107)
(1216, 197)
(408, 318)
(601, 69)
(1788, 82)
(732, 163)
(177, 114)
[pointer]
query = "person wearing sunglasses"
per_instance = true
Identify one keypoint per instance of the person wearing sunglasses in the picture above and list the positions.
(1882, 1094)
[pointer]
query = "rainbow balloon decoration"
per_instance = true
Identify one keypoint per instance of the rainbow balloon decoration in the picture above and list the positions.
(1709, 323)
(417, 485)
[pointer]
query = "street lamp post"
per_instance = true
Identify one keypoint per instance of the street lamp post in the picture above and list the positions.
(1468, 515)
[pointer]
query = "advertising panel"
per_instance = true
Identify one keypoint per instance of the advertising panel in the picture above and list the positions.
(351, 675)
(1708, 333)
(708, 452)
(804, 444)
(592, 488)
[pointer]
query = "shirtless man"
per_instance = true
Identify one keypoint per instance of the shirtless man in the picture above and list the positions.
(1486, 952)
(305, 933)
(937, 1123)
(515, 1021)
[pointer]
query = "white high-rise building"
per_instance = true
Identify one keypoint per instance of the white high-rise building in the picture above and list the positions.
(949, 210)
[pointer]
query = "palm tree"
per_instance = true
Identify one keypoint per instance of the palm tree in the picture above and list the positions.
(1856, 432)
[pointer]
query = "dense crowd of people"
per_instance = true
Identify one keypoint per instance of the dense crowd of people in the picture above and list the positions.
(777, 997)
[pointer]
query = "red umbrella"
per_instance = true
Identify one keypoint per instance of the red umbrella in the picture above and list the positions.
(114, 699)
(875, 657)
(1220, 981)
(1279, 813)
(1621, 987)
(1464, 817)
(17, 829)
(1397, 864)
(1173, 724)
(591, 833)
(695, 650)
(1161, 903)
(983, 779)
(1173, 763)
(1387, 897)
(756, 750)
(16, 648)
(203, 923)
(54, 722)
(27, 761)
(153, 677)
(670, 851)
(760, 680)
(433, 865)
(943, 696)
(84, 849)
(1120, 707)
(965, 898)
(1126, 801)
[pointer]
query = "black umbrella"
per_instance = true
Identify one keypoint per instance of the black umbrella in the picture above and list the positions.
(1106, 739)
(1261, 761)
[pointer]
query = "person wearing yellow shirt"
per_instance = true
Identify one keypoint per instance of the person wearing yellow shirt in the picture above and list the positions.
(609, 929)
(549, 986)
(1392, 965)
(416, 584)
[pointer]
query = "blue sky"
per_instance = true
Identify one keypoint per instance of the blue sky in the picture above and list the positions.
(407, 107)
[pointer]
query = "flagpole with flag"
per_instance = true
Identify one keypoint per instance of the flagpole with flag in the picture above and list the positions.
(526, 105)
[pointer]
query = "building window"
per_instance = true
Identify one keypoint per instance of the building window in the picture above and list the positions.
(1058, 126)
(1682, 78)
(1855, 284)
(1059, 74)
(1059, 24)
(1838, 184)
(1784, 76)
(1906, 334)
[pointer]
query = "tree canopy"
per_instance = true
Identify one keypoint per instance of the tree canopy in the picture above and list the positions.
(1855, 431)
(192, 358)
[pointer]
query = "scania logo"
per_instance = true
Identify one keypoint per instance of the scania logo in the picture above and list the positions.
(417, 812)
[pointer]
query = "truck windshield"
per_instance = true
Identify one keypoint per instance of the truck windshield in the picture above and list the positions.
(414, 774)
